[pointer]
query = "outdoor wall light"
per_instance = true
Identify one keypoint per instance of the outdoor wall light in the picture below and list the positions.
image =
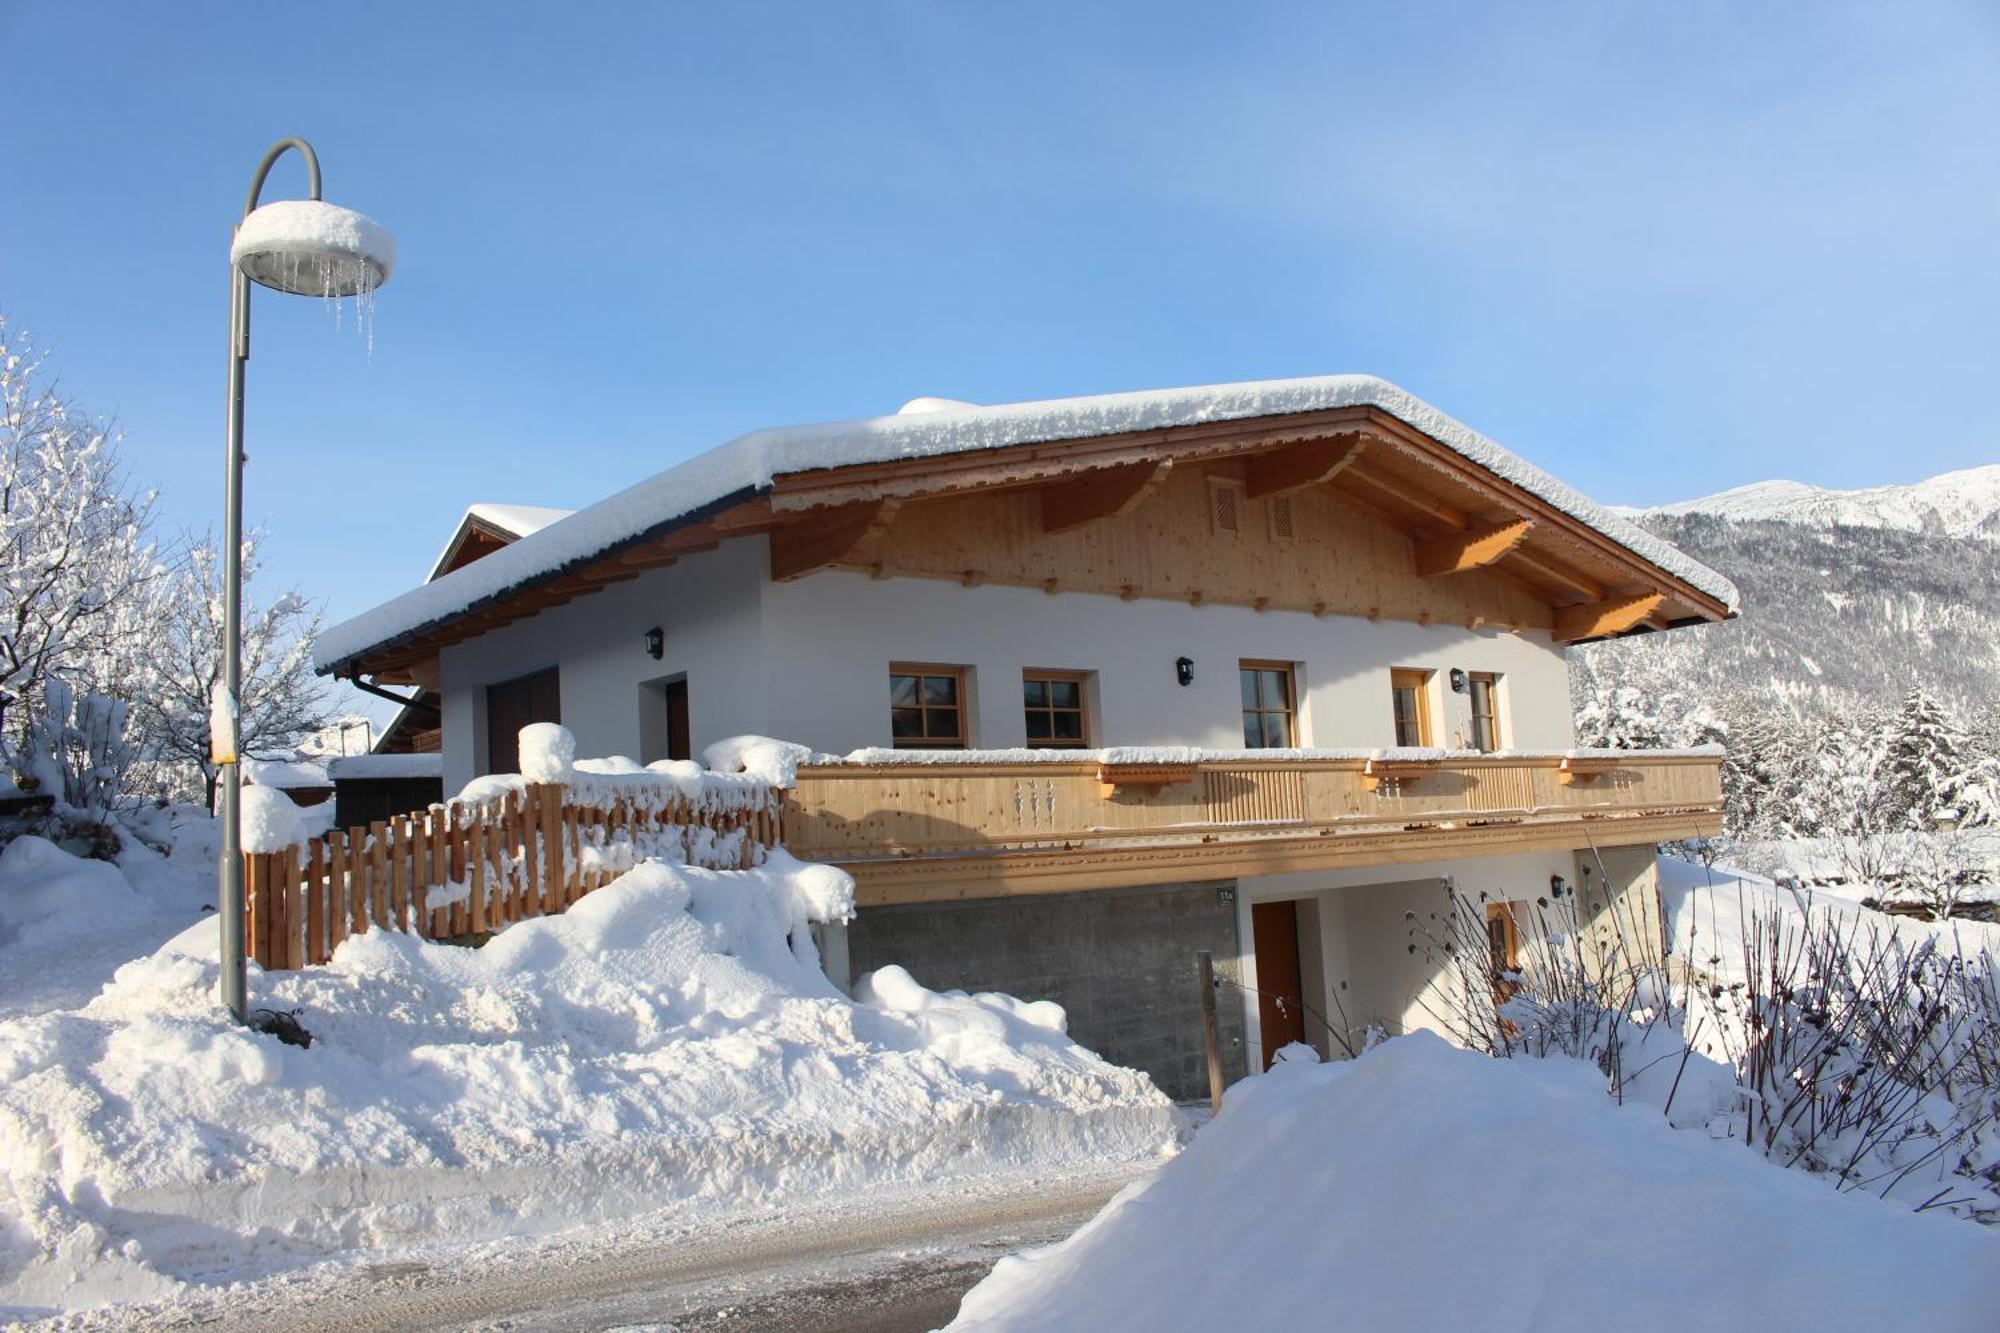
(1555, 886)
(656, 643)
(1458, 680)
(1184, 670)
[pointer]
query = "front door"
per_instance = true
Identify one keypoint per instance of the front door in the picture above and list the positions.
(1281, 1014)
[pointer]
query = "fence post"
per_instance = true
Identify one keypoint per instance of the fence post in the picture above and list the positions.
(1205, 969)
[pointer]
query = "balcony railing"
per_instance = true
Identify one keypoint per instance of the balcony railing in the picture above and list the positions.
(944, 823)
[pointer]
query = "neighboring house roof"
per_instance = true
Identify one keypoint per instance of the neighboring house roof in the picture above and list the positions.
(485, 528)
(746, 467)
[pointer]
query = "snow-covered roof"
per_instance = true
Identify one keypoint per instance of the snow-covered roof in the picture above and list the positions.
(284, 774)
(747, 464)
(517, 521)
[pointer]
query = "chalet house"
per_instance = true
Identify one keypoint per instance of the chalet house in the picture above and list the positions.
(1250, 669)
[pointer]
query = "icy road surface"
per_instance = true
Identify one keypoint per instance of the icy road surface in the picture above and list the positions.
(896, 1260)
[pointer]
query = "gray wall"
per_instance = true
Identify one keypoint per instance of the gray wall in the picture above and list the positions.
(1121, 962)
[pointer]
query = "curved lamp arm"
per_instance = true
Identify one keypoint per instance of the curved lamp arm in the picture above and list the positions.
(271, 159)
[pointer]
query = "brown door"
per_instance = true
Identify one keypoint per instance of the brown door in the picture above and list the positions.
(678, 744)
(1274, 933)
(513, 704)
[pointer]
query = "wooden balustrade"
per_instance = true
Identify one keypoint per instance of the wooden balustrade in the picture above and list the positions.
(911, 831)
(469, 868)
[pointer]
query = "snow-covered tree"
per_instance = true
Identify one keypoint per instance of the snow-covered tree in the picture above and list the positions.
(282, 701)
(1619, 717)
(75, 558)
(1930, 763)
(76, 750)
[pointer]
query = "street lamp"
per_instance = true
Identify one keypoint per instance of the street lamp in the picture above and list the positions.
(309, 248)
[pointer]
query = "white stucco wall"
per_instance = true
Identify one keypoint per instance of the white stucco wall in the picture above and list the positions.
(809, 660)
(830, 638)
(707, 607)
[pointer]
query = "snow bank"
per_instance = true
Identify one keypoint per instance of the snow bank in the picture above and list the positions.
(387, 766)
(1711, 911)
(668, 1045)
(46, 894)
(1421, 1187)
(748, 463)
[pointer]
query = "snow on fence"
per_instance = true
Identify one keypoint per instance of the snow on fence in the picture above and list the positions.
(505, 850)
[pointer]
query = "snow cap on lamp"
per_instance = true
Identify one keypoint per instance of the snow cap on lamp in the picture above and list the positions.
(313, 248)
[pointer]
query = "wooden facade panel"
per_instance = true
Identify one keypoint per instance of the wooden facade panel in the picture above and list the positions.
(1340, 561)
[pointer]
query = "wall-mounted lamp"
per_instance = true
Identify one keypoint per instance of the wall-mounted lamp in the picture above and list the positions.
(656, 643)
(1458, 680)
(1184, 670)
(1556, 886)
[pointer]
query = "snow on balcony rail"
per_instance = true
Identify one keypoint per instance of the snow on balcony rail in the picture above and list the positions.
(1113, 756)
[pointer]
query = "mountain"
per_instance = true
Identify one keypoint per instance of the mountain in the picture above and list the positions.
(1957, 504)
(1849, 597)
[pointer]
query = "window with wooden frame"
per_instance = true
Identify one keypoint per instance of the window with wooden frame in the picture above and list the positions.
(1482, 691)
(927, 707)
(1270, 704)
(1056, 713)
(1409, 694)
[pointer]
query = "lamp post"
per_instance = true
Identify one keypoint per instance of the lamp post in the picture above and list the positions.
(309, 248)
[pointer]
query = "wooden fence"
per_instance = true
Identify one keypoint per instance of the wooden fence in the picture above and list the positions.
(468, 868)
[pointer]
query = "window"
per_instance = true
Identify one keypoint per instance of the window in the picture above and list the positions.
(1482, 688)
(1409, 691)
(1283, 528)
(1053, 701)
(927, 707)
(1270, 716)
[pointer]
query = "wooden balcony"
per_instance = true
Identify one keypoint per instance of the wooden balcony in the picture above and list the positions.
(945, 829)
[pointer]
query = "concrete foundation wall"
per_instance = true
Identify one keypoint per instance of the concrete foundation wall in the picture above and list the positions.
(1121, 962)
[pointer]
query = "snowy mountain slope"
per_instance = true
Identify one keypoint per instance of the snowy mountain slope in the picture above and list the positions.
(1956, 504)
(1835, 617)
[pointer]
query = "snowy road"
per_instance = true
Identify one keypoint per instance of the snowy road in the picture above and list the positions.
(887, 1263)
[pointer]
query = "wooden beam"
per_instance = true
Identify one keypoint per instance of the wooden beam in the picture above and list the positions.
(1555, 573)
(1402, 494)
(825, 539)
(1594, 620)
(1474, 548)
(1105, 493)
(1300, 465)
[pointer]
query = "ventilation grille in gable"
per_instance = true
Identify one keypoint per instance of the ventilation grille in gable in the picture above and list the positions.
(1226, 506)
(1281, 518)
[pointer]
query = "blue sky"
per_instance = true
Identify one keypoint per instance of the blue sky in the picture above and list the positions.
(1659, 249)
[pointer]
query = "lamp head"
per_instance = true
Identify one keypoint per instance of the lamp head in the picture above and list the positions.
(313, 248)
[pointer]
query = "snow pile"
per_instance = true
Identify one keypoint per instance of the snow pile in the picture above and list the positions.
(46, 894)
(386, 766)
(1421, 1187)
(669, 1045)
(747, 464)
(270, 821)
(773, 761)
(548, 752)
